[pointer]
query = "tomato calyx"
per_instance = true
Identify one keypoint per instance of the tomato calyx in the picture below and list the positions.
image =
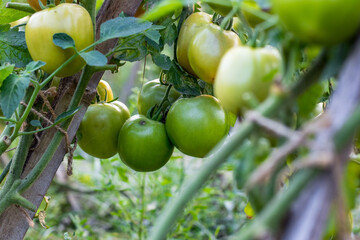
(224, 22)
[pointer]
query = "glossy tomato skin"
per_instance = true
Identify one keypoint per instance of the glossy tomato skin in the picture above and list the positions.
(36, 6)
(201, 44)
(324, 22)
(207, 48)
(143, 144)
(100, 127)
(68, 18)
(196, 125)
(105, 92)
(189, 28)
(246, 71)
(152, 93)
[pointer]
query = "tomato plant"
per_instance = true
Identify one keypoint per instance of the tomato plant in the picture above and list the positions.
(323, 22)
(36, 6)
(152, 93)
(105, 92)
(143, 144)
(99, 129)
(244, 73)
(201, 44)
(68, 18)
(196, 125)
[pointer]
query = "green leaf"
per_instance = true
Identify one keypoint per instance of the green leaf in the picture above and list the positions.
(66, 115)
(131, 50)
(13, 48)
(63, 40)
(5, 71)
(94, 58)
(8, 15)
(161, 60)
(34, 65)
(35, 123)
(185, 84)
(153, 35)
(12, 92)
(122, 27)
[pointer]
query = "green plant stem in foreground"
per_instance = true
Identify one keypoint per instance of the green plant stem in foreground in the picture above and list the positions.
(269, 108)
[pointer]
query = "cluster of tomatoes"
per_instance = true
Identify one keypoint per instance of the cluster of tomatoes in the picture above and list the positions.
(193, 125)
(239, 73)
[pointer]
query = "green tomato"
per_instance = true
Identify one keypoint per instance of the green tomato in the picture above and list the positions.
(196, 125)
(324, 22)
(100, 127)
(244, 73)
(189, 28)
(152, 93)
(68, 18)
(143, 144)
(207, 48)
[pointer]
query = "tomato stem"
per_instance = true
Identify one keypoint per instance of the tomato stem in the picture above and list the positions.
(20, 6)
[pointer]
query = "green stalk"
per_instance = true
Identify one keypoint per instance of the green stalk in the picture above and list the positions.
(192, 185)
(55, 142)
(142, 214)
(16, 167)
(20, 6)
(5, 171)
(4, 144)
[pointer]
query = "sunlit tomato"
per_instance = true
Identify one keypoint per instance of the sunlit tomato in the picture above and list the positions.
(201, 44)
(207, 48)
(189, 29)
(321, 21)
(143, 144)
(36, 6)
(153, 93)
(68, 18)
(196, 125)
(105, 92)
(100, 127)
(244, 73)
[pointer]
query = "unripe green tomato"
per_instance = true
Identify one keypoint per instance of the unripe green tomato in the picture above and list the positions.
(100, 127)
(207, 48)
(324, 22)
(190, 27)
(196, 125)
(243, 73)
(143, 144)
(153, 93)
(68, 18)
